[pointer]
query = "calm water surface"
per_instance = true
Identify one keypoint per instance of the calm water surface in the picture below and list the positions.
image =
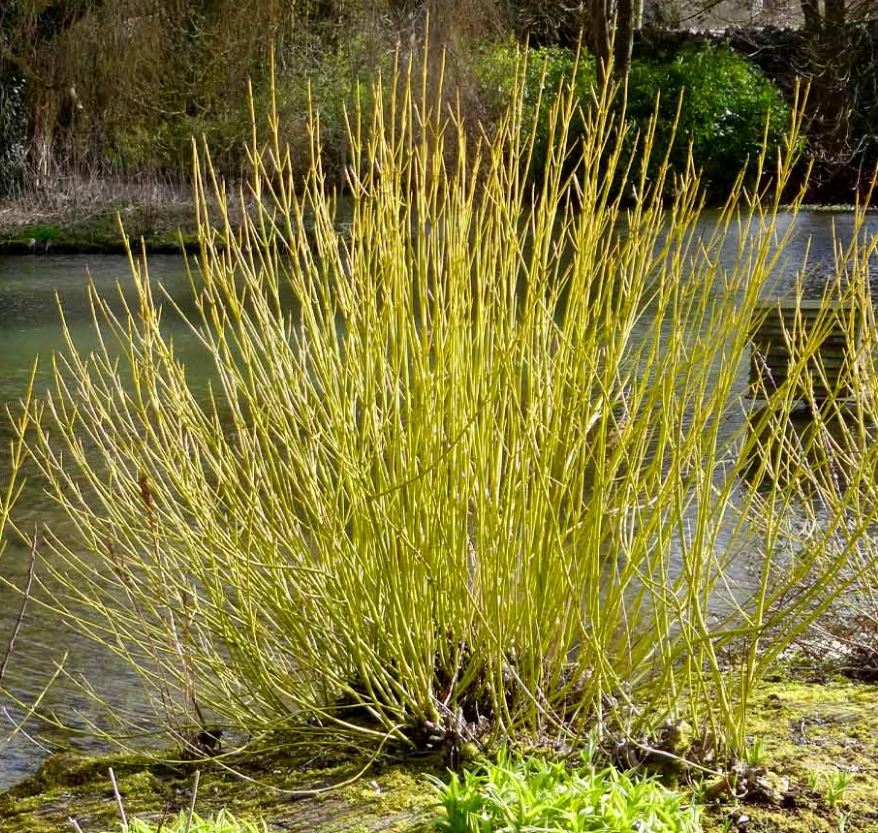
(30, 290)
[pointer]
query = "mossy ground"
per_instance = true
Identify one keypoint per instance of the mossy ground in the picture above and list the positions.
(390, 797)
(809, 731)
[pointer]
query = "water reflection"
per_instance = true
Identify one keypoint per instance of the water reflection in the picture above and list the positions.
(32, 290)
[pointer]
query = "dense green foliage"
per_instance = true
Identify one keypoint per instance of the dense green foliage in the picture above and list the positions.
(530, 794)
(726, 105)
(328, 85)
(118, 87)
(107, 89)
(723, 113)
(501, 69)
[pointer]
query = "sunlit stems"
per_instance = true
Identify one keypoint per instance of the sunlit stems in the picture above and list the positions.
(473, 465)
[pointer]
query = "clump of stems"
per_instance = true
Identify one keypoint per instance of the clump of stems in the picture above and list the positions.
(465, 469)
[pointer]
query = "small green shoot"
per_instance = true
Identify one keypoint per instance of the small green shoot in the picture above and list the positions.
(755, 752)
(837, 784)
(223, 822)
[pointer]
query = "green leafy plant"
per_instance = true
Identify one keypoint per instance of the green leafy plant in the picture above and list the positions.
(725, 105)
(755, 754)
(505, 71)
(222, 822)
(531, 793)
(727, 111)
(834, 784)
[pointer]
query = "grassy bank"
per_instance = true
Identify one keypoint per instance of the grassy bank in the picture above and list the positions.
(291, 791)
(85, 217)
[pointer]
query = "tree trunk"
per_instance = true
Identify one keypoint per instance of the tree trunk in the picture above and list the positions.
(624, 41)
(811, 13)
(599, 37)
(835, 12)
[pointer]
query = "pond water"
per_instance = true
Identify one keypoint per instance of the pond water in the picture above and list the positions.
(31, 290)
(29, 328)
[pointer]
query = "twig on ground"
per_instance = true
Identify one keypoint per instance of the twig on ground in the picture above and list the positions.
(192, 803)
(118, 798)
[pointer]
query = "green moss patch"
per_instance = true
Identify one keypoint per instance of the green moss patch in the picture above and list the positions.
(816, 736)
(284, 790)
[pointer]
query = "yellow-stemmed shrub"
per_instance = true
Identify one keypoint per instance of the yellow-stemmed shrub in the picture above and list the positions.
(465, 469)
